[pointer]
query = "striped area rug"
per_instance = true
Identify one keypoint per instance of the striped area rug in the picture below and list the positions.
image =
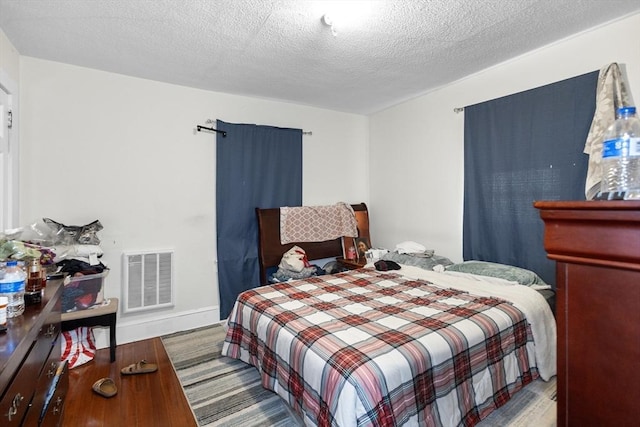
(222, 391)
(227, 392)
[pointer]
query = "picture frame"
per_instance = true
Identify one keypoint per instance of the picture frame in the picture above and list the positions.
(348, 242)
(362, 246)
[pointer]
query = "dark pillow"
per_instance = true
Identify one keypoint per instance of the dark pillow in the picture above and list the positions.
(502, 271)
(383, 265)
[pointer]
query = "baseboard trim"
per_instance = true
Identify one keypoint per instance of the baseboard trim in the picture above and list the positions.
(135, 330)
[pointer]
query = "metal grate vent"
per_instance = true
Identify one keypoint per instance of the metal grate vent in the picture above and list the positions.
(148, 280)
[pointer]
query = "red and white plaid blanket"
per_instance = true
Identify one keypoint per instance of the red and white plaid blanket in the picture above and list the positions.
(366, 348)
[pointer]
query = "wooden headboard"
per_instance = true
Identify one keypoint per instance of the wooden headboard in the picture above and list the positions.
(270, 250)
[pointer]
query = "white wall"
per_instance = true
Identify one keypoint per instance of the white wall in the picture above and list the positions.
(416, 148)
(99, 145)
(9, 59)
(10, 84)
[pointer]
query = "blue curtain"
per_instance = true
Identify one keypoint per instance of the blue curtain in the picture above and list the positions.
(256, 166)
(519, 149)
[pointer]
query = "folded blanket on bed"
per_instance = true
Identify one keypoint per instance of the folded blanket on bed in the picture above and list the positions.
(317, 223)
(533, 305)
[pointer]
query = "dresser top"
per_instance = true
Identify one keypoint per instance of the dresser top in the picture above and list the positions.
(605, 233)
(23, 330)
(588, 205)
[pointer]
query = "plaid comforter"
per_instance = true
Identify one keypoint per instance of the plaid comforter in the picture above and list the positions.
(369, 348)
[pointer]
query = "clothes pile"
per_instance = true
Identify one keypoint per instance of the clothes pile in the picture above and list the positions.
(295, 265)
(77, 253)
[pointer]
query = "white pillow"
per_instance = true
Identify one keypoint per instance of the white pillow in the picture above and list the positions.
(410, 247)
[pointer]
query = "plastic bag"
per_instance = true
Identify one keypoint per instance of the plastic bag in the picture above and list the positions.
(75, 234)
(295, 259)
(78, 346)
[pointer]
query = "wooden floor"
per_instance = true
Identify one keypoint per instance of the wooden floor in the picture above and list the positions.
(154, 399)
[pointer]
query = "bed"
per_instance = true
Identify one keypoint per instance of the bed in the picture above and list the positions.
(407, 347)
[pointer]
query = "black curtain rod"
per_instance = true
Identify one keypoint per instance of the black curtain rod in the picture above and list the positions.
(200, 128)
(224, 133)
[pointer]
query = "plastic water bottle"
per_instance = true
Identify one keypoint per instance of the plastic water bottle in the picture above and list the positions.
(12, 286)
(621, 157)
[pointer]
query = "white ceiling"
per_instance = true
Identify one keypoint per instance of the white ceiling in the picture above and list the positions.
(385, 51)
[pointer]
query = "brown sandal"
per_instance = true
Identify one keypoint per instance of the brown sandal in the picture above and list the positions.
(105, 387)
(142, 367)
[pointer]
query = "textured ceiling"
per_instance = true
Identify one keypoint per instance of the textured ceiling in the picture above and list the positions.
(384, 51)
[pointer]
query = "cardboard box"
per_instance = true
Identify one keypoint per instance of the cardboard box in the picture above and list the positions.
(83, 292)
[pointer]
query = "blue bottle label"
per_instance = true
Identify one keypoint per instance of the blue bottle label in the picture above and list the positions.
(621, 147)
(615, 148)
(11, 287)
(634, 146)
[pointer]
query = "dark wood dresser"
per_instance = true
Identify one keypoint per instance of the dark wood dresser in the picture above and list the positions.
(33, 381)
(596, 246)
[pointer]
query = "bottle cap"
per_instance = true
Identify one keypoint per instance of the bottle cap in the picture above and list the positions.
(12, 263)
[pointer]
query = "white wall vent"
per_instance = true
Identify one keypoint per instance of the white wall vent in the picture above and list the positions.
(147, 280)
